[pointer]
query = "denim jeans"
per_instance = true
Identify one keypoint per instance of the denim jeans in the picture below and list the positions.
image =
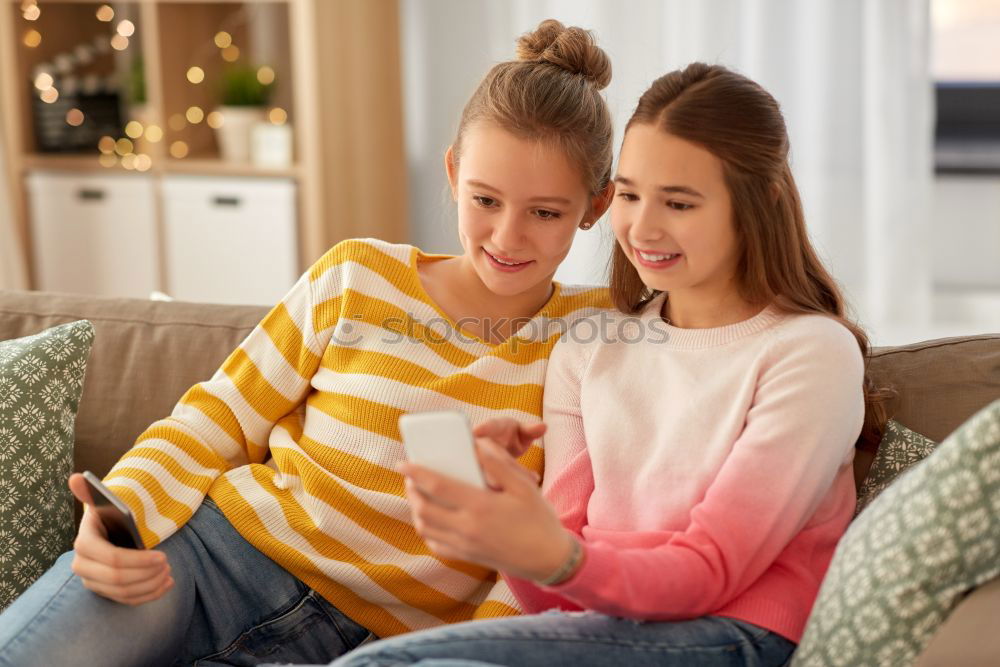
(579, 639)
(230, 605)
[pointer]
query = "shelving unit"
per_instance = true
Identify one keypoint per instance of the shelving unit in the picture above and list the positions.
(337, 81)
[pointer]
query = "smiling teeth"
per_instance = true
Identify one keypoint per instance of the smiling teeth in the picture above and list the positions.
(656, 258)
(506, 263)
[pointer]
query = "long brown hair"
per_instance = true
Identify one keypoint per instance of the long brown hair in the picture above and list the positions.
(551, 93)
(740, 123)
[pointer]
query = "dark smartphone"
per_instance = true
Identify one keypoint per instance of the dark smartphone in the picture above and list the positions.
(114, 514)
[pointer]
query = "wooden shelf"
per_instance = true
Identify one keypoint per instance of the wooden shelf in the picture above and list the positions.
(223, 168)
(205, 167)
(66, 162)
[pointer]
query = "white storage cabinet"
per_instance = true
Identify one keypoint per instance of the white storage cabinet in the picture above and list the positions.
(94, 233)
(230, 240)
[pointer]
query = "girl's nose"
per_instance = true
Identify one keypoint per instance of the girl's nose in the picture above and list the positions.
(646, 226)
(508, 233)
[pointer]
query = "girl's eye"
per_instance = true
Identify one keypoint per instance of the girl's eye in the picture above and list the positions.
(485, 202)
(679, 205)
(627, 196)
(548, 215)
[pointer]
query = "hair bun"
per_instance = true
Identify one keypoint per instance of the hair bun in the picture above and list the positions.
(573, 49)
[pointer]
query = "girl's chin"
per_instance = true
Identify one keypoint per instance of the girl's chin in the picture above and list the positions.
(509, 285)
(658, 282)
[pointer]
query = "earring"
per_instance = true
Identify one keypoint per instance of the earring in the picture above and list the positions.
(586, 225)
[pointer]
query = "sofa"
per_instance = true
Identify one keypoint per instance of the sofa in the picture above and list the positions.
(147, 353)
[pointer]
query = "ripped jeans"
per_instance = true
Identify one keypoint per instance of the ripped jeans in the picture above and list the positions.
(579, 639)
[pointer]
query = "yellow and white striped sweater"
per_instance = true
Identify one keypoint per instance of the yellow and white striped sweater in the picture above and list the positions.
(296, 439)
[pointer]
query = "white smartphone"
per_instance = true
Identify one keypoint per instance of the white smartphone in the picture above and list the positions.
(114, 514)
(442, 441)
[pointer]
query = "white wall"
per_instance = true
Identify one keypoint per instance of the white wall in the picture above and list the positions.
(965, 253)
(965, 232)
(436, 85)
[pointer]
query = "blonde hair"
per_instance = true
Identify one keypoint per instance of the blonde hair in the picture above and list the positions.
(551, 93)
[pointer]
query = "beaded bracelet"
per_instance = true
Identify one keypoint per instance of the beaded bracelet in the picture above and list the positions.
(567, 569)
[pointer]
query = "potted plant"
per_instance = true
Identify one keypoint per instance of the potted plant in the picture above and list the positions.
(244, 104)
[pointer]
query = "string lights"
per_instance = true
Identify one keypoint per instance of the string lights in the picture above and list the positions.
(134, 129)
(265, 75)
(51, 79)
(74, 117)
(124, 146)
(179, 150)
(194, 115)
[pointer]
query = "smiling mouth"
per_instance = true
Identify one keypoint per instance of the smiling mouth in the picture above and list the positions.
(651, 257)
(506, 261)
(656, 260)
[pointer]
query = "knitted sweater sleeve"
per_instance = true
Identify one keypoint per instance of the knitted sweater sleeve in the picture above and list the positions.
(225, 421)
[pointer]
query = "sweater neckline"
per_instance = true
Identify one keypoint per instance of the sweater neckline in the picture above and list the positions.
(713, 336)
(418, 256)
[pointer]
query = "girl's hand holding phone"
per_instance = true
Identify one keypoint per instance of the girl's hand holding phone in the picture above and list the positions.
(508, 527)
(128, 576)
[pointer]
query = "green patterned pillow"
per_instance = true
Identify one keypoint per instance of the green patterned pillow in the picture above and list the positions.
(899, 450)
(41, 378)
(908, 560)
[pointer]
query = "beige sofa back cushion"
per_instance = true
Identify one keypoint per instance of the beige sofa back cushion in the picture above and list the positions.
(939, 383)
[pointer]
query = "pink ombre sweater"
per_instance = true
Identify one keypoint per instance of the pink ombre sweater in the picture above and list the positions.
(707, 474)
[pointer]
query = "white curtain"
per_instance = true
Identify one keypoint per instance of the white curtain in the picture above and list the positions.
(851, 75)
(13, 272)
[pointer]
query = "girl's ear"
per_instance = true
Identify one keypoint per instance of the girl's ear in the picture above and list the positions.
(452, 171)
(598, 206)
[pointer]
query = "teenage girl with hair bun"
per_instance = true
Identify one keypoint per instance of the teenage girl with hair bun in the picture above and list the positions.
(277, 525)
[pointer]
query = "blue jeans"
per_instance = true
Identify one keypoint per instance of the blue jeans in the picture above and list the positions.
(230, 604)
(579, 639)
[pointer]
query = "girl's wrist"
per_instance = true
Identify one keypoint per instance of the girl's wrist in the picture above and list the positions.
(570, 565)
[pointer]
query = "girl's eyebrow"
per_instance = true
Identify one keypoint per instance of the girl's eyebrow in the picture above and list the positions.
(485, 186)
(482, 185)
(683, 189)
